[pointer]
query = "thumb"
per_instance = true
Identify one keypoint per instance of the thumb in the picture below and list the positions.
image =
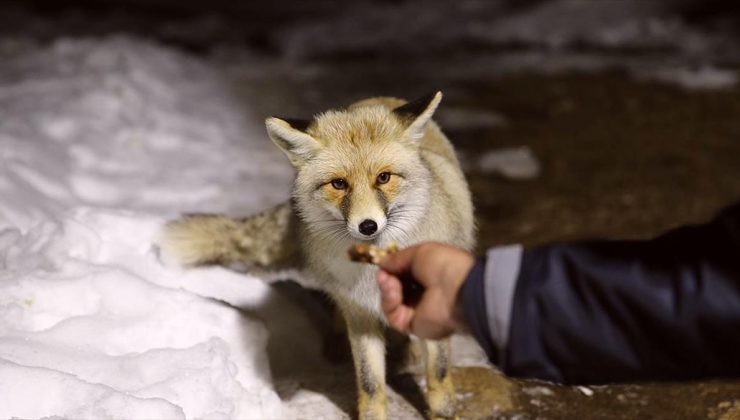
(398, 315)
(400, 261)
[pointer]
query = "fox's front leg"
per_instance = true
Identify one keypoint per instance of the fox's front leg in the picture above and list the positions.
(368, 350)
(440, 389)
(267, 239)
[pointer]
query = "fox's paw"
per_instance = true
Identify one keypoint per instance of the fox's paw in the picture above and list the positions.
(198, 240)
(442, 406)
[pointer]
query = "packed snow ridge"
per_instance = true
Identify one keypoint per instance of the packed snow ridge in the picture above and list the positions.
(100, 141)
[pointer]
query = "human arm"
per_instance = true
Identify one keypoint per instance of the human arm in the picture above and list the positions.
(604, 311)
(594, 312)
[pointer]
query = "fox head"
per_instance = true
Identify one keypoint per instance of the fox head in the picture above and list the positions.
(359, 170)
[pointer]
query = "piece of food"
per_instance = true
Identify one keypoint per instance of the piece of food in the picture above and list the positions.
(411, 290)
(370, 253)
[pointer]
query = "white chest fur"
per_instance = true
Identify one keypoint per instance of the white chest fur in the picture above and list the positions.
(353, 284)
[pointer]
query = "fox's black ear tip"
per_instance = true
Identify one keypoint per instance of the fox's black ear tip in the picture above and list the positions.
(416, 107)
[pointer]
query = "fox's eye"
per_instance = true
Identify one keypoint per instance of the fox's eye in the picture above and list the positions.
(384, 177)
(339, 184)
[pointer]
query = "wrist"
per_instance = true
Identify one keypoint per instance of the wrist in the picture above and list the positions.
(455, 279)
(456, 271)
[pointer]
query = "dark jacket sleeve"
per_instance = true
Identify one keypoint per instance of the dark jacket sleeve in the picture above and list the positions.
(596, 312)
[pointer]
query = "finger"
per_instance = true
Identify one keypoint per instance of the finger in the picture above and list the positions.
(391, 292)
(398, 262)
(398, 315)
(400, 319)
(433, 318)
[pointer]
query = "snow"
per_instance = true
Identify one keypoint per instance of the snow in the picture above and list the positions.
(514, 163)
(623, 24)
(697, 78)
(101, 141)
(127, 124)
(85, 303)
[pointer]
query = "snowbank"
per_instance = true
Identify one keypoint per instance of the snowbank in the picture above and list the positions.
(90, 320)
(120, 123)
(96, 138)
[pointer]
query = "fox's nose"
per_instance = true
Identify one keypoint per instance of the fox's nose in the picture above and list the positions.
(368, 227)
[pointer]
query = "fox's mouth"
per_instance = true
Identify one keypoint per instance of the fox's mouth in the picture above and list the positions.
(361, 237)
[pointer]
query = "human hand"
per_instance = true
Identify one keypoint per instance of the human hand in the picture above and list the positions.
(441, 270)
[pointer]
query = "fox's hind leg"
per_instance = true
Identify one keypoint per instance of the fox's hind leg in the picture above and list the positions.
(440, 390)
(368, 350)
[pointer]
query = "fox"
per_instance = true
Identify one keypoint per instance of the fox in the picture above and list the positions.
(379, 171)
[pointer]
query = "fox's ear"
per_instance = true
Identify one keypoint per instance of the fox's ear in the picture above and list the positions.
(290, 137)
(417, 113)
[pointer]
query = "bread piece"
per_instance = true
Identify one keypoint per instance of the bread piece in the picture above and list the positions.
(368, 253)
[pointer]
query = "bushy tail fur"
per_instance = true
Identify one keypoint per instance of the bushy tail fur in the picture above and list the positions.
(259, 241)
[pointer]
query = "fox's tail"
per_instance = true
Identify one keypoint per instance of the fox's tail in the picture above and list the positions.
(204, 239)
(256, 241)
